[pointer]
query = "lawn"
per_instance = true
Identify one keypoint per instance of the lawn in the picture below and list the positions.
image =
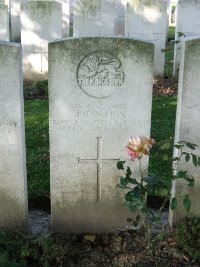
(37, 147)
(169, 53)
(37, 141)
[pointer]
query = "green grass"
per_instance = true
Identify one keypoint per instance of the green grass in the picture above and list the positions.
(162, 130)
(171, 33)
(37, 146)
(169, 53)
(37, 141)
(169, 61)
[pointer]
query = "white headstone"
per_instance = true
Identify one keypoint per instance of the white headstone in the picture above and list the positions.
(188, 122)
(65, 17)
(4, 23)
(94, 18)
(147, 20)
(13, 185)
(187, 24)
(16, 24)
(100, 93)
(120, 9)
(41, 23)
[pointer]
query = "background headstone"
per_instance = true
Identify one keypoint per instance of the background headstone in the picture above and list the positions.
(148, 20)
(16, 24)
(188, 123)
(120, 9)
(187, 24)
(93, 18)
(65, 17)
(4, 23)
(100, 93)
(13, 186)
(41, 22)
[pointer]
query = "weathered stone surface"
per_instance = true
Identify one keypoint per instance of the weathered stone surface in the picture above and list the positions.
(187, 24)
(4, 23)
(188, 123)
(148, 20)
(13, 184)
(100, 93)
(93, 18)
(41, 22)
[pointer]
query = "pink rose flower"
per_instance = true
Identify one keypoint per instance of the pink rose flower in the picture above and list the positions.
(138, 146)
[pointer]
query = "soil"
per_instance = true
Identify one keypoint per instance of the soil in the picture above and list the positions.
(165, 87)
(118, 249)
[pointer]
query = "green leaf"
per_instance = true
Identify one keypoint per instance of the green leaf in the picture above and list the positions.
(187, 157)
(128, 172)
(190, 145)
(132, 181)
(180, 34)
(132, 207)
(190, 182)
(136, 192)
(123, 183)
(187, 203)
(120, 165)
(182, 174)
(129, 196)
(198, 160)
(194, 160)
(174, 203)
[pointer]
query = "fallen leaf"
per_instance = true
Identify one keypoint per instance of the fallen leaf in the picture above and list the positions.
(90, 238)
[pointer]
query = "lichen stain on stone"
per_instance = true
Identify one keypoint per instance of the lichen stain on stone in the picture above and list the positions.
(45, 7)
(75, 49)
(12, 213)
(5, 51)
(139, 4)
(82, 6)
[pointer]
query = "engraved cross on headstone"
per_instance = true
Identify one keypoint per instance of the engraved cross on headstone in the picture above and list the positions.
(41, 52)
(99, 162)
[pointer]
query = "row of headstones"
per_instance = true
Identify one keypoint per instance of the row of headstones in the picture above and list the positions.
(187, 24)
(41, 22)
(100, 93)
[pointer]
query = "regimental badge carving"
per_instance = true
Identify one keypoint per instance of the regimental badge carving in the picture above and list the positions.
(100, 74)
(42, 16)
(147, 26)
(94, 13)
